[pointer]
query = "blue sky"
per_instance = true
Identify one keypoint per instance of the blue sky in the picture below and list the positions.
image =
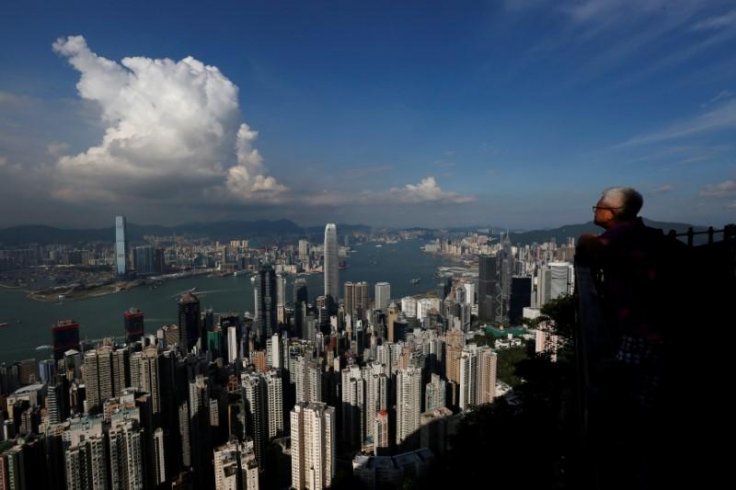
(508, 113)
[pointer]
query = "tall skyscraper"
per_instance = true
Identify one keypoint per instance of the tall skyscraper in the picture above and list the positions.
(144, 260)
(487, 288)
(189, 321)
(121, 246)
(236, 466)
(133, 320)
(521, 297)
(383, 295)
(330, 262)
(66, 336)
(266, 299)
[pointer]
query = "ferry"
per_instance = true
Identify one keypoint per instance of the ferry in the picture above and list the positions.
(4, 324)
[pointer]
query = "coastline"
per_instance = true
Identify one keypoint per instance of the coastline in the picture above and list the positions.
(76, 292)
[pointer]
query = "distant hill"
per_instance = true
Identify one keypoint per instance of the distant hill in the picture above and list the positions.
(264, 230)
(562, 233)
(223, 230)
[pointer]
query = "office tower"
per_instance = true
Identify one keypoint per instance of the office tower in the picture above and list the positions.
(353, 407)
(312, 446)
(200, 433)
(469, 288)
(265, 322)
(555, 279)
(401, 327)
(383, 295)
(66, 336)
(521, 297)
(300, 306)
(304, 251)
(121, 246)
(408, 403)
(46, 370)
(189, 321)
(144, 260)
(232, 344)
(487, 288)
(330, 262)
(505, 266)
(280, 300)
(236, 467)
(133, 320)
(435, 394)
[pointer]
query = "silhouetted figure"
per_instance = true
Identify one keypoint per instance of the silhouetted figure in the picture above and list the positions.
(635, 269)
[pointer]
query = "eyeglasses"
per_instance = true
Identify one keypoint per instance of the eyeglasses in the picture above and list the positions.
(595, 208)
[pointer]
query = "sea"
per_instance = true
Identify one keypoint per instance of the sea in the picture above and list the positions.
(28, 331)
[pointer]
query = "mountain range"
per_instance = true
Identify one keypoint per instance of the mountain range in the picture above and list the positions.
(268, 231)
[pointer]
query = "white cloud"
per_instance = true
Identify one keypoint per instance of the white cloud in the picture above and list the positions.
(721, 117)
(56, 149)
(722, 189)
(3, 161)
(725, 21)
(171, 127)
(427, 190)
(662, 189)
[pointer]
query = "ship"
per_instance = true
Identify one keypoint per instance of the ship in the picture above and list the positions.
(415, 280)
(4, 324)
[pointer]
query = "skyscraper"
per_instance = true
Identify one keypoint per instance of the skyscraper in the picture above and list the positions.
(133, 319)
(266, 300)
(121, 246)
(383, 295)
(189, 321)
(330, 262)
(487, 288)
(66, 336)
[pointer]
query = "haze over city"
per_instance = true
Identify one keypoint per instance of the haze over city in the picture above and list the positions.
(514, 113)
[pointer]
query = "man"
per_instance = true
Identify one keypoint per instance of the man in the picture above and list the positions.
(636, 269)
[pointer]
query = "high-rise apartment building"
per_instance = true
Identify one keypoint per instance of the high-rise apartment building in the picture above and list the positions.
(236, 467)
(121, 246)
(353, 407)
(408, 403)
(330, 266)
(313, 446)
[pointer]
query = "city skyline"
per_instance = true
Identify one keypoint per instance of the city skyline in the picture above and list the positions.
(511, 113)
